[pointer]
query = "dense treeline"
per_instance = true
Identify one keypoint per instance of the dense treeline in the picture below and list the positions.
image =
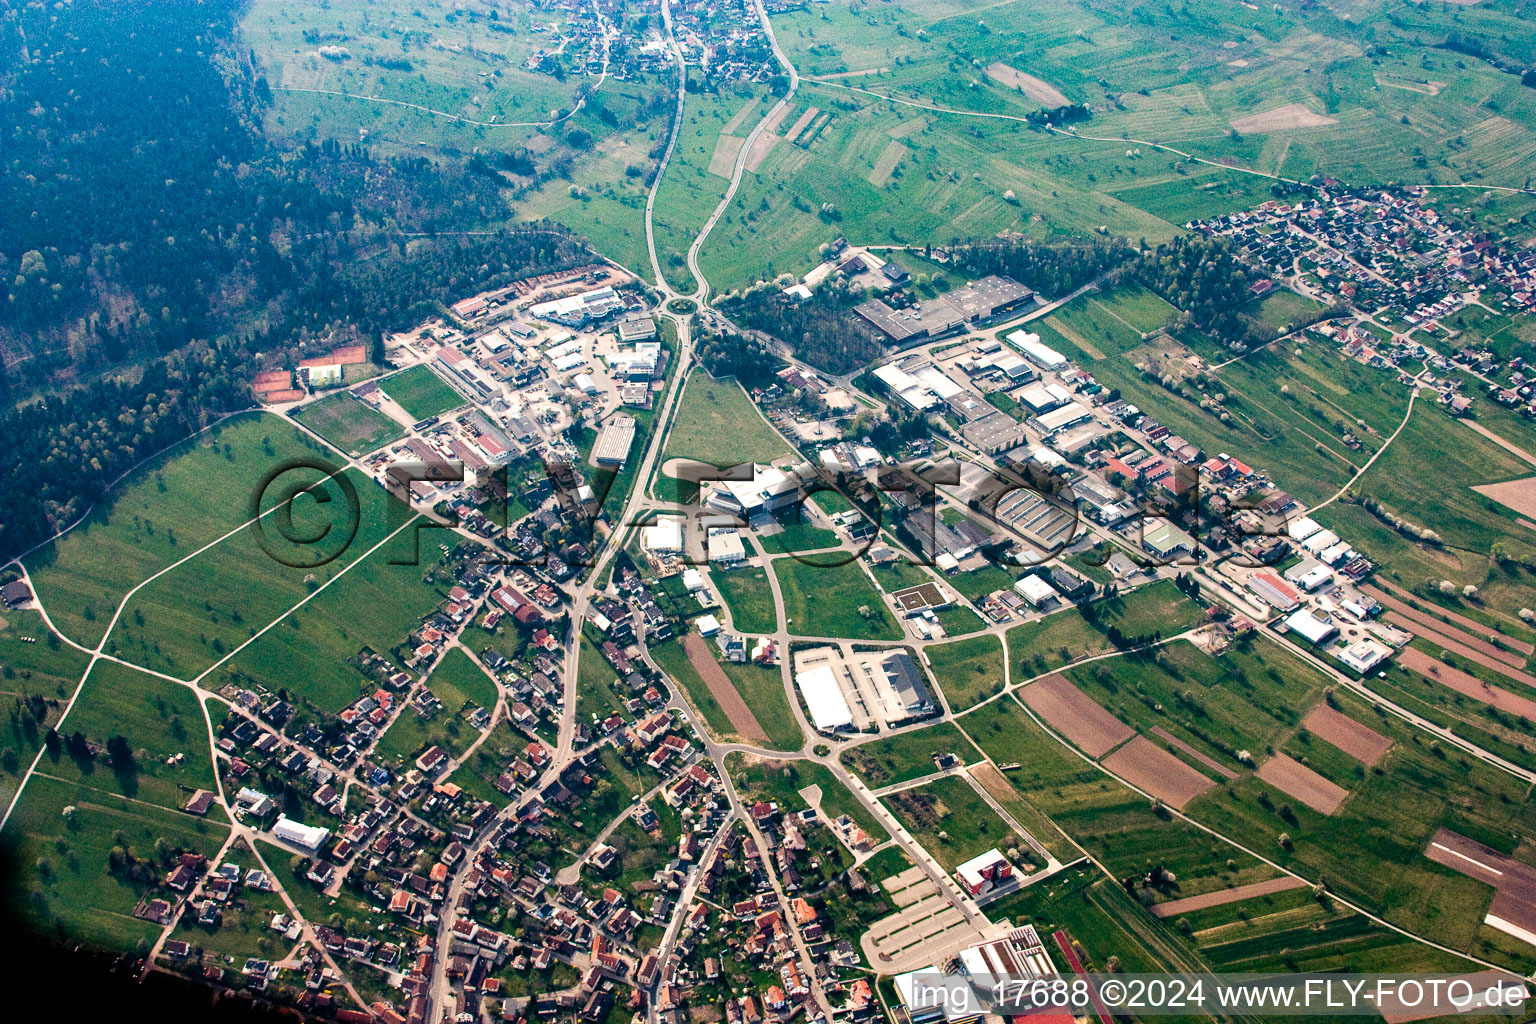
(59, 455)
(739, 356)
(1204, 279)
(1052, 268)
(821, 329)
(145, 222)
(141, 209)
(1201, 276)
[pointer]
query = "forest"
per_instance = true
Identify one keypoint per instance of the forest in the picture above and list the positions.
(822, 329)
(141, 209)
(152, 243)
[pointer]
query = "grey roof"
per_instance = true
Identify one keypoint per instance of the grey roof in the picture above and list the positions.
(906, 680)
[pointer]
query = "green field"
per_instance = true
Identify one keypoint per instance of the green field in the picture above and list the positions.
(694, 184)
(951, 820)
(421, 393)
(68, 888)
(158, 719)
(458, 683)
(749, 596)
(967, 670)
(826, 601)
(780, 782)
(1115, 825)
(907, 755)
(1371, 848)
(348, 424)
(197, 612)
(375, 605)
(160, 513)
(1063, 637)
(717, 423)
(46, 668)
(762, 688)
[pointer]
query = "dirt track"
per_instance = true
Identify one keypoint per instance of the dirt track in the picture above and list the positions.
(721, 689)
(1466, 683)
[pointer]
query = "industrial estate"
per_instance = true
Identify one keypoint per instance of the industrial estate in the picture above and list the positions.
(891, 513)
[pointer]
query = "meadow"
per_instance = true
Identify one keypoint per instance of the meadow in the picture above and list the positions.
(1064, 636)
(160, 513)
(158, 719)
(69, 888)
(780, 782)
(348, 424)
(191, 616)
(459, 684)
(376, 605)
(827, 601)
(907, 755)
(695, 182)
(717, 423)
(749, 596)
(951, 820)
(968, 671)
(421, 392)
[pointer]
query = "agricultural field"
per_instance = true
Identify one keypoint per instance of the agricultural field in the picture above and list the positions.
(421, 393)
(198, 612)
(713, 129)
(908, 755)
(951, 820)
(159, 514)
(460, 685)
(375, 605)
(833, 601)
(718, 424)
(1371, 849)
(749, 596)
(73, 885)
(968, 671)
(1119, 827)
(158, 720)
(348, 424)
(1278, 92)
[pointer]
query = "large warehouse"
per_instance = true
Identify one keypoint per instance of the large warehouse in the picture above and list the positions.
(824, 699)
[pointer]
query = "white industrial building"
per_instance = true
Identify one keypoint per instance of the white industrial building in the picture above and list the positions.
(1060, 419)
(1316, 627)
(663, 537)
(824, 699)
(1043, 397)
(769, 489)
(1036, 591)
(1363, 655)
(1320, 541)
(296, 833)
(1309, 574)
(1037, 352)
